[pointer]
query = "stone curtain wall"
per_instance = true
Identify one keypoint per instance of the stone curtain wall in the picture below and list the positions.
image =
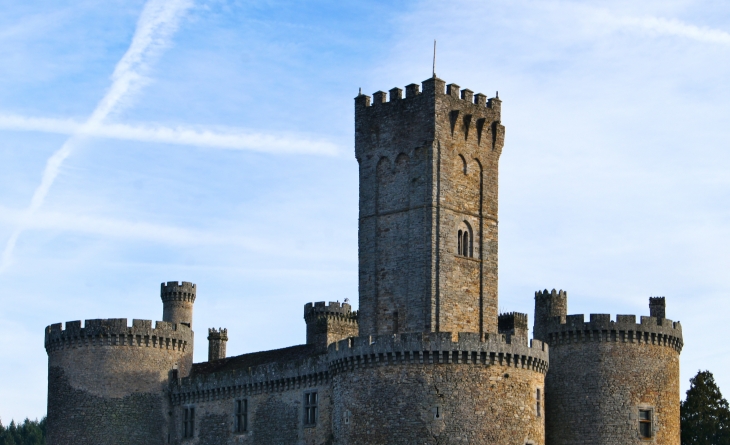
(275, 417)
(275, 394)
(603, 372)
(106, 381)
(428, 165)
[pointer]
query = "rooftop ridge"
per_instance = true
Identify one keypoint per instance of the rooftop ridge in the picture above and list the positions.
(600, 327)
(437, 348)
(115, 332)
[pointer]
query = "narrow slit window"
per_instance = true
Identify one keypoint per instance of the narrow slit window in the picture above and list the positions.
(310, 409)
(539, 403)
(188, 421)
(465, 244)
(459, 250)
(241, 416)
(645, 423)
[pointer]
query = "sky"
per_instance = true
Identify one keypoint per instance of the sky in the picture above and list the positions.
(212, 141)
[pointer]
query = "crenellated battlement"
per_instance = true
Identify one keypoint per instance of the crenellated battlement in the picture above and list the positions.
(343, 311)
(176, 291)
(510, 320)
(116, 332)
(600, 328)
(437, 348)
(431, 87)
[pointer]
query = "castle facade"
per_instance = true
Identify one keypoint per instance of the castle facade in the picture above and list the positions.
(427, 359)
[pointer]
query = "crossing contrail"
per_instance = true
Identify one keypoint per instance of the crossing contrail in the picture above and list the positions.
(156, 25)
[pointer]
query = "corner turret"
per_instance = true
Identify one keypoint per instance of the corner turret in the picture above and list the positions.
(514, 324)
(177, 301)
(657, 307)
(548, 305)
(327, 324)
(217, 339)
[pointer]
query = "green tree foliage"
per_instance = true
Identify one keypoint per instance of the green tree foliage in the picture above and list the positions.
(30, 432)
(704, 414)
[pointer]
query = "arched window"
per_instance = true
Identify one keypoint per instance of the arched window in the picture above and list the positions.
(465, 241)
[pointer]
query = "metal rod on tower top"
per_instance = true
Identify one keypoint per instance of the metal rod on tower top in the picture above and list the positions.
(434, 57)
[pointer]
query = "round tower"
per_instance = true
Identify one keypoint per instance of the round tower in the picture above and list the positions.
(107, 381)
(177, 302)
(480, 390)
(613, 381)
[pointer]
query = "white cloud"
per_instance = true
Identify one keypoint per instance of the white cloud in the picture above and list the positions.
(226, 138)
(668, 27)
(158, 21)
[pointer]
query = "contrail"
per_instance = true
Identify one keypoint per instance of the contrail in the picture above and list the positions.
(217, 137)
(156, 25)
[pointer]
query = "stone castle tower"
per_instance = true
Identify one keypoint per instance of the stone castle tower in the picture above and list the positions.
(610, 382)
(427, 359)
(107, 382)
(429, 343)
(428, 209)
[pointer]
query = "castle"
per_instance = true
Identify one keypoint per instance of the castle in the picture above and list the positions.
(427, 359)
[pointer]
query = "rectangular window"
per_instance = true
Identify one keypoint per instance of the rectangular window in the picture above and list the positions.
(539, 404)
(645, 427)
(188, 421)
(241, 416)
(310, 408)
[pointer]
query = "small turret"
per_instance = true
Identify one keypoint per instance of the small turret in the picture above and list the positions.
(513, 324)
(177, 301)
(327, 324)
(217, 339)
(657, 307)
(548, 305)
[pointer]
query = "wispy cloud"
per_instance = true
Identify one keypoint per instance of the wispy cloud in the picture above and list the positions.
(667, 27)
(226, 138)
(158, 21)
(162, 234)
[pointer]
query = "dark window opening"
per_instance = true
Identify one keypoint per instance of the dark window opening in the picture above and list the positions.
(241, 424)
(645, 429)
(464, 243)
(188, 422)
(310, 408)
(539, 407)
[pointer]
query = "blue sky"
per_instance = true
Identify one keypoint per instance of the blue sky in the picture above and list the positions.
(227, 159)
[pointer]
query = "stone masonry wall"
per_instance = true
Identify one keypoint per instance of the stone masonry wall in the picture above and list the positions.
(107, 381)
(275, 396)
(428, 167)
(603, 372)
(436, 390)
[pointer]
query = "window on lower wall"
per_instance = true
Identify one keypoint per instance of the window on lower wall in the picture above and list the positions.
(188, 421)
(310, 408)
(645, 424)
(539, 403)
(241, 422)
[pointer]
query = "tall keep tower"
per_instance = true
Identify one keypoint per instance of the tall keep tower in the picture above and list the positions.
(428, 209)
